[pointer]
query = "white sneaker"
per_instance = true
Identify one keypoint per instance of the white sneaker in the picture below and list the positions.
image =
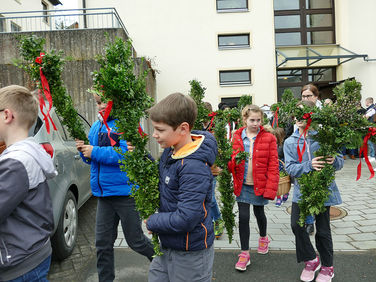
(371, 159)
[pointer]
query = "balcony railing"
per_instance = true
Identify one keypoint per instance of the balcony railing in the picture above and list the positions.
(48, 20)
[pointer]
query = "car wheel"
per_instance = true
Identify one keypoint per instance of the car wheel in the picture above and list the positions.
(65, 236)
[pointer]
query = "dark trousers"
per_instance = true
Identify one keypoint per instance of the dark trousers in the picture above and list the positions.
(323, 237)
(244, 215)
(109, 211)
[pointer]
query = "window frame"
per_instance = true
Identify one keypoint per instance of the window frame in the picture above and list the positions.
(235, 83)
(226, 47)
(13, 25)
(304, 30)
(232, 10)
(45, 12)
(4, 24)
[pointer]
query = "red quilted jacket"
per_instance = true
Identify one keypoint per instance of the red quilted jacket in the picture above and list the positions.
(264, 163)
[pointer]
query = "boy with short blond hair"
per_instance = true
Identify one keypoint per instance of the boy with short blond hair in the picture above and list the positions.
(26, 218)
(183, 224)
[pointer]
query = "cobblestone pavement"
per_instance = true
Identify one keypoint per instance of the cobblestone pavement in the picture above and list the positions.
(354, 232)
(84, 251)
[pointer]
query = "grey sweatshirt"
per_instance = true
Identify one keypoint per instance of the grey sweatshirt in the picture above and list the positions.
(26, 218)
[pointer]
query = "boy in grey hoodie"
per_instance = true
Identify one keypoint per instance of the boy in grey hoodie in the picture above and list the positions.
(26, 219)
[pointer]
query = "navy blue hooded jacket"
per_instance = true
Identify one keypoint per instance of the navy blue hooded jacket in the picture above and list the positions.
(185, 185)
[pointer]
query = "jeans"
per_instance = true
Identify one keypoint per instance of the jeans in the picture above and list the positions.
(38, 274)
(323, 237)
(310, 219)
(215, 212)
(109, 211)
(371, 149)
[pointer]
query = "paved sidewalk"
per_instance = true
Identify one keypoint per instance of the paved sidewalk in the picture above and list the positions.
(354, 232)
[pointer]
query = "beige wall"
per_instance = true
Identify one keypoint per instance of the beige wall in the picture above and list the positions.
(355, 30)
(181, 39)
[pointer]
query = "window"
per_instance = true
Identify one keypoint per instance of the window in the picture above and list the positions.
(232, 5)
(230, 41)
(231, 101)
(235, 77)
(2, 24)
(295, 79)
(14, 27)
(45, 13)
(304, 22)
(286, 5)
(322, 4)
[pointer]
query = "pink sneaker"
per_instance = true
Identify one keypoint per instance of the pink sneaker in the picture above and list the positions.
(263, 247)
(326, 274)
(311, 266)
(243, 262)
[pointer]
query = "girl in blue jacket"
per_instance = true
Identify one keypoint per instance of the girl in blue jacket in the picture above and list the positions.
(304, 249)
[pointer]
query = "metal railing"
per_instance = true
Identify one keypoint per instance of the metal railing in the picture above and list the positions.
(48, 20)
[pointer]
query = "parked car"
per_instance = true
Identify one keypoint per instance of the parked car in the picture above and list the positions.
(71, 188)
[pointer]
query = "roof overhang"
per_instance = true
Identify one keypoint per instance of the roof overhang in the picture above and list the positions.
(55, 2)
(304, 56)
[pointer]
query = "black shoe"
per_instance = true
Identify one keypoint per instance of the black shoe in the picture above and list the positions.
(310, 229)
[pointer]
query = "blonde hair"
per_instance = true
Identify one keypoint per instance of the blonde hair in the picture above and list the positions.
(251, 108)
(175, 109)
(20, 100)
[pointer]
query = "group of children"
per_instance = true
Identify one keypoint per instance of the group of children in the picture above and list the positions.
(183, 222)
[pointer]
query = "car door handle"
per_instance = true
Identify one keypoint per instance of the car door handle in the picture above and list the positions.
(77, 157)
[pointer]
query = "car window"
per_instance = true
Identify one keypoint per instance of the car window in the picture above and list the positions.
(85, 124)
(36, 126)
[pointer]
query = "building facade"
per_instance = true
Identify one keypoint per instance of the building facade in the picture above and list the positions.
(227, 45)
(34, 21)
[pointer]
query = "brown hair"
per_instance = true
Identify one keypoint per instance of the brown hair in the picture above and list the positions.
(175, 109)
(306, 103)
(251, 108)
(369, 99)
(21, 101)
(311, 87)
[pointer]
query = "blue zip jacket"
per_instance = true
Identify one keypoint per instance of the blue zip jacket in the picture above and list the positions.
(295, 169)
(185, 185)
(106, 178)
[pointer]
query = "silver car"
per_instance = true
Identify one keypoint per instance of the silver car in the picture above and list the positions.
(71, 188)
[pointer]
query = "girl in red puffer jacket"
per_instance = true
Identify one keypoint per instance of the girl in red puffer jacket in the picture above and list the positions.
(255, 179)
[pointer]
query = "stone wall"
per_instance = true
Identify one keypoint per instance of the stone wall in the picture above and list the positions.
(81, 47)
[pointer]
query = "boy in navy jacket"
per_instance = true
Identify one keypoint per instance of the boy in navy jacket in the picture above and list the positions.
(185, 183)
(115, 203)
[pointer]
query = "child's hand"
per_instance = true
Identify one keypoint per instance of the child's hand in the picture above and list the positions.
(86, 150)
(130, 147)
(79, 144)
(149, 232)
(330, 160)
(318, 163)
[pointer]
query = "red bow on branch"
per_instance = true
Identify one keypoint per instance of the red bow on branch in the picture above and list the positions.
(47, 93)
(364, 150)
(105, 114)
(275, 120)
(306, 116)
(212, 115)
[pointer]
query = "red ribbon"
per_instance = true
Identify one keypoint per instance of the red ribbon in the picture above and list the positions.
(47, 94)
(364, 150)
(275, 120)
(306, 116)
(105, 116)
(212, 115)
